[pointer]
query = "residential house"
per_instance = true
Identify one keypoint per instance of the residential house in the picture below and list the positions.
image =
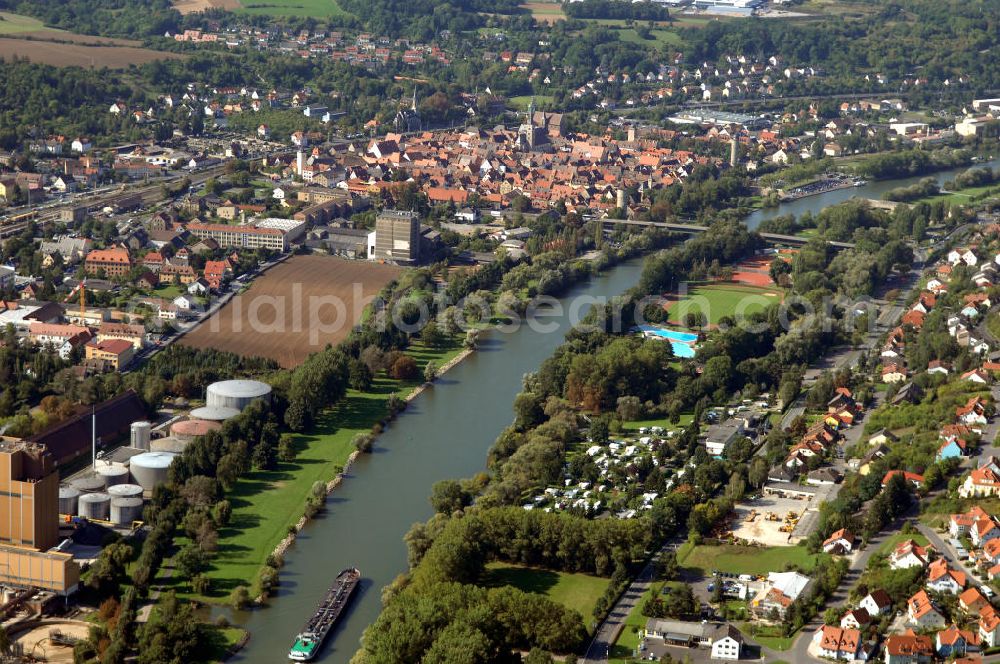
(855, 619)
(909, 648)
(989, 627)
(838, 643)
(972, 601)
(841, 541)
(980, 482)
(943, 579)
(909, 554)
(113, 354)
(953, 642)
(876, 603)
(922, 613)
(913, 478)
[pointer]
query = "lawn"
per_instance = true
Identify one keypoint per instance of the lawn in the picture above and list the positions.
(659, 37)
(768, 636)
(717, 300)
(12, 24)
(748, 560)
(633, 426)
(890, 543)
(221, 640)
(304, 8)
(169, 291)
(266, 503)
(575, 591)
(962, 196)
(628, 640)
(521, 102)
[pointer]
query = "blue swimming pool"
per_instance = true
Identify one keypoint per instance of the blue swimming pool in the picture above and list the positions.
(681, 342)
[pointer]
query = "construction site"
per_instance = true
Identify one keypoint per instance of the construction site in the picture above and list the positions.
(769, 520)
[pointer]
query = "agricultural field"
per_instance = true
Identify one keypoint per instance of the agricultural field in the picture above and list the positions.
(717, 300)
(78, 54)
(545, 12)
(575, 591)
(191, 6)
(658, 37)
(283, 330)
(15, 24)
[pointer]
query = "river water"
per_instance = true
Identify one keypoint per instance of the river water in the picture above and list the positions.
(444, 434)
(871, 190)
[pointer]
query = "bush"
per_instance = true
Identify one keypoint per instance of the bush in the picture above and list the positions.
(404, 368)
(363, 442)
(239, 599)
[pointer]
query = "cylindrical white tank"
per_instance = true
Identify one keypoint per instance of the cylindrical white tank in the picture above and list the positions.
(237, 394)
(113, 473)
(125, 491)
(68, 500)
(88, 483)
(214, 413)
(126, 510)
(95, 506)
(169, 444)
(149, 469)
(141, 432)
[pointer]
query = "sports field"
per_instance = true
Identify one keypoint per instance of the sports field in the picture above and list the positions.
(717, 300)
(295, 309)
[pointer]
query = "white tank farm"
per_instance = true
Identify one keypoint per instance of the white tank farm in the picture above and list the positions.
(141, 432)
(112, 472)
(88, 483)
(126, 510)
(169, 444)
(95, 506)
(125, 491)
(237, 394)
(68, 500)
(214, 413)
(150, 469)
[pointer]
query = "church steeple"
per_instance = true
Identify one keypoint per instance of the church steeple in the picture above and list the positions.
(413, 105)
(531, 112)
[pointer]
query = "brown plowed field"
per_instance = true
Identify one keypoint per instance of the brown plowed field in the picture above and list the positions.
(273, 318)
(80, 55)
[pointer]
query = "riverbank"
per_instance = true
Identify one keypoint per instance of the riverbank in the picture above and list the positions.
(268, 505)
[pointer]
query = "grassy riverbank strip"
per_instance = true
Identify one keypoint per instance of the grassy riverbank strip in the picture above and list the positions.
(268, 503)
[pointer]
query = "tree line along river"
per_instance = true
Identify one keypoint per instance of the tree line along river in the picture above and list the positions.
(445, 433)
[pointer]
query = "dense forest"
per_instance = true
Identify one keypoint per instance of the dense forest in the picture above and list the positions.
(111, 18)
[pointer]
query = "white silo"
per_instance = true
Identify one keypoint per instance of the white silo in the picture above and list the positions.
(169, 444)
(125, 491)
(88, 483)
(141, 432)
(214, 413)
(150, 469)
(112, 472)
(237, 394)
(125, 510)
(95, 506)
(68, 500)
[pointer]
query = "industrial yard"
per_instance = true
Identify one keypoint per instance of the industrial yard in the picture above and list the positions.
(273, 317)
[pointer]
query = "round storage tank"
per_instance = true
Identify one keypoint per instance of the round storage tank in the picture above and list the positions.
(113, 473)
(95, 506)
(141, 432)
(190, 429)
(149, 469)
(125, 491)
(214, 413)
(68, 500)
(237, 394)
(169, 444)
(88, 484)
(125, 510)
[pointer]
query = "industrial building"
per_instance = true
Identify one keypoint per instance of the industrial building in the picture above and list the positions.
(111, 420)
(266, 236)
(397, 237)
(29, 490)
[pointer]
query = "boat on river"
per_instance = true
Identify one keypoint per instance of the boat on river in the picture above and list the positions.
(309, 641)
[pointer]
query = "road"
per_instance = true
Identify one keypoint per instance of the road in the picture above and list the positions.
(607, 632)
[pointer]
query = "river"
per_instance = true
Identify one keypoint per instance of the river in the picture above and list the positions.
(874, 189)
(444, 434)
